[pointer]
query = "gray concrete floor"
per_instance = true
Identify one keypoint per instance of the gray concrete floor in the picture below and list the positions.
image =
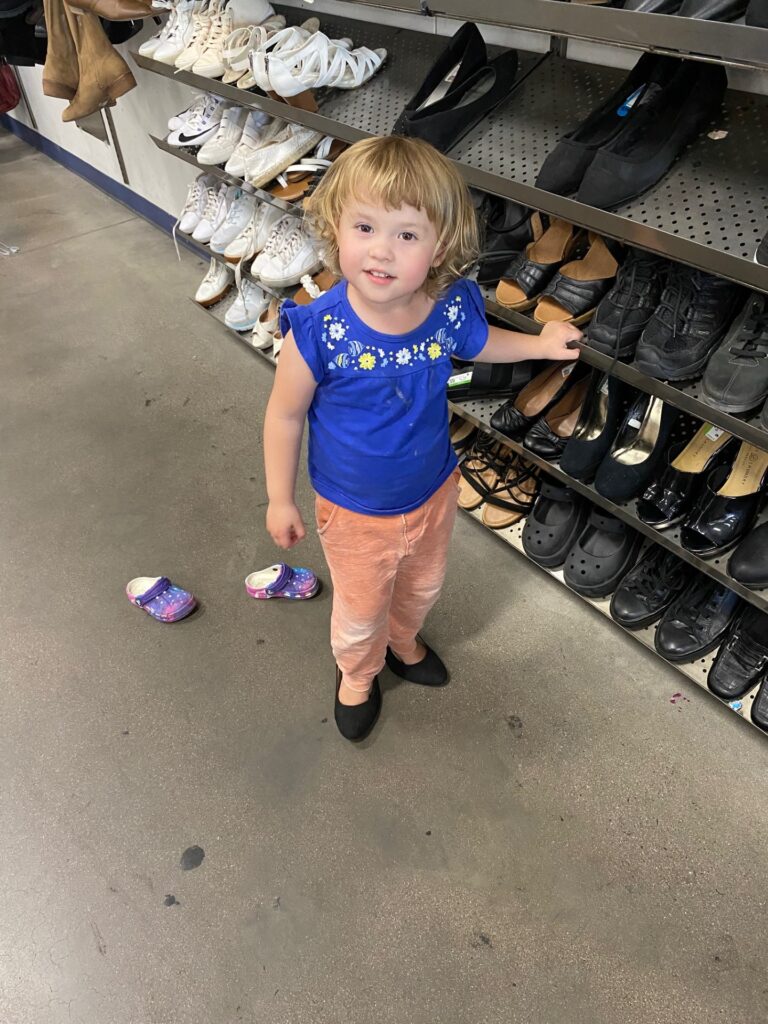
(602, 860)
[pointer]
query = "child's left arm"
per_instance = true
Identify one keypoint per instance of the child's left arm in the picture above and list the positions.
(556, 341)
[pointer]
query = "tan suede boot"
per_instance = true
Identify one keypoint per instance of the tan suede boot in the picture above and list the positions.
(61, 73)
(104, 75)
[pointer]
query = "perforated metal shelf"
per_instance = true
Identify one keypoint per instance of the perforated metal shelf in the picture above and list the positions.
(710, 211)
(188, 156)
(686, 396)
(695, 671)
(480, 410)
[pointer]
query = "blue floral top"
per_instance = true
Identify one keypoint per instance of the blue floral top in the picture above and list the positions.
(378, 423)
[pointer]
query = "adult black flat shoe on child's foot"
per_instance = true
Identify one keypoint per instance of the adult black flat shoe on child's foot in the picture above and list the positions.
(430, 671)
(355, 721)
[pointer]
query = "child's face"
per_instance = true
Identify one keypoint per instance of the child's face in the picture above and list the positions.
(386, 254)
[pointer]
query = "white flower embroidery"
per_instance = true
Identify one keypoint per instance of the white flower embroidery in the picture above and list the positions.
(403, 357)
(452, 312)
(337, 330)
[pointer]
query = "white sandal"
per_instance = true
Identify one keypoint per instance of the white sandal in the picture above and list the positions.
(323, 62)
(287, 39)
(238, 45)
(309, 164)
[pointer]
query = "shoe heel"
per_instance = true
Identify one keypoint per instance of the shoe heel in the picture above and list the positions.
(303, 101)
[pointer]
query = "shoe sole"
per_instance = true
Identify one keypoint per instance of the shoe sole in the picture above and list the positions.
(693, 370)
(216, 298)
(729, 407)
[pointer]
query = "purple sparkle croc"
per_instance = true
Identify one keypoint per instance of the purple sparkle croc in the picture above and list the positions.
(282, 580)
(160, 598)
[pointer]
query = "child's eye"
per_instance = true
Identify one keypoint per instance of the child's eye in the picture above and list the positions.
(408, 236)
(365, 228)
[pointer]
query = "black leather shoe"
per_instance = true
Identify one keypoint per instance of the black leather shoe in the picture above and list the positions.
(729, 506)
(742, 661)
(508, 230)
(355, 721)
(736, 377)
(601, 556)
(666, 117)
(649, 588)
(430, 671)
(653, 6)
(757, 14)
(639, 447)
(694, 313)
(601, 414)
(623, 314)
(713, 10)
(549, 435)
(759, 710)
(515, 417)
(565, 167)
(697, 621)
(445, 122)
(668, 499)
(749, 562)
(761, 256)
(553, 524)
(463, 56)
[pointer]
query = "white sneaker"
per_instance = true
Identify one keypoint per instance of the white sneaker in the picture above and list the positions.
(148, 47)
(180, 119)
(214, 213)
(194, 204)
(221, 147)
(202, 125)
(180, 35)
(280, 230)
(264, 329)
(247, 307)
(201, 24)
(215, 284)
(291, 260)
(285, 148)
(239, 216)
(210, 63)
(254, 131)
(256, 234)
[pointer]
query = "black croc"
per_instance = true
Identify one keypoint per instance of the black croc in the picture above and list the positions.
(601, 556)
(556, 521)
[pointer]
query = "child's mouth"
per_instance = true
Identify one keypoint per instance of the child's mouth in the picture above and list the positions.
(378, 276)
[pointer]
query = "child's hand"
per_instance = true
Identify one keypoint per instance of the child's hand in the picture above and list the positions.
(285, 525)
(557, 341)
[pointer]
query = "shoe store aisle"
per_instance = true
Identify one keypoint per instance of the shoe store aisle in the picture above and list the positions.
(567, 833)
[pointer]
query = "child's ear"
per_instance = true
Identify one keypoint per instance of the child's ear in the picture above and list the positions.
(437, 259)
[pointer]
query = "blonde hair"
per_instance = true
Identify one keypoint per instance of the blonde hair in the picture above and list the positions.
(396, 172)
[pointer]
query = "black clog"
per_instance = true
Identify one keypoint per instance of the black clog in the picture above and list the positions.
(601, 556)
(553, 524)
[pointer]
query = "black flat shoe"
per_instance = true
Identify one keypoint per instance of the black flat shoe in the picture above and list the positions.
(514, 418)
(430, 671)
(601, 556)
(553, 524)
(508, 230)
(664, 120)
(601, 413)
(638, 449)
(669, 498)
(697, 621)
(549, 435)
(742, 661)
(749, 562)
(624, 313)
(462, 57)
(729, 506)
(649, 588)
(445, 122)
(355, 721)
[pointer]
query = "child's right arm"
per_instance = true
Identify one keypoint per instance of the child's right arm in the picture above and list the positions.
(291, 397)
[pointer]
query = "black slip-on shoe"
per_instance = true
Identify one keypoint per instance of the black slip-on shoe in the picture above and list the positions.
(430, 671)
(554, 523)
(601, 414)
(639, 447)
(355, 721)
(742, 661)
(601, 555)
(736, 377)
(665, 119)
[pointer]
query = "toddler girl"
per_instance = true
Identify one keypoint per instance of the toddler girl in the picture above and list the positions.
(368, 363)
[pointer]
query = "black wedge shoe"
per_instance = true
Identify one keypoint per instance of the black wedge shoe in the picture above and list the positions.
(638, 449)
(430, 671)
(668, 499)
(355, 721)
(601, 414)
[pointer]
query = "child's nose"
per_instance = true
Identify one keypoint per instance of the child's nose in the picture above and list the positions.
(380, 248)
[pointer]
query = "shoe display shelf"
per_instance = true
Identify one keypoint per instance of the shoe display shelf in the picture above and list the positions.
(216, 313)
(686, 396)
(479, 411)
(188, 156)
(695, 671)
(720, 42)
(709, 211)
